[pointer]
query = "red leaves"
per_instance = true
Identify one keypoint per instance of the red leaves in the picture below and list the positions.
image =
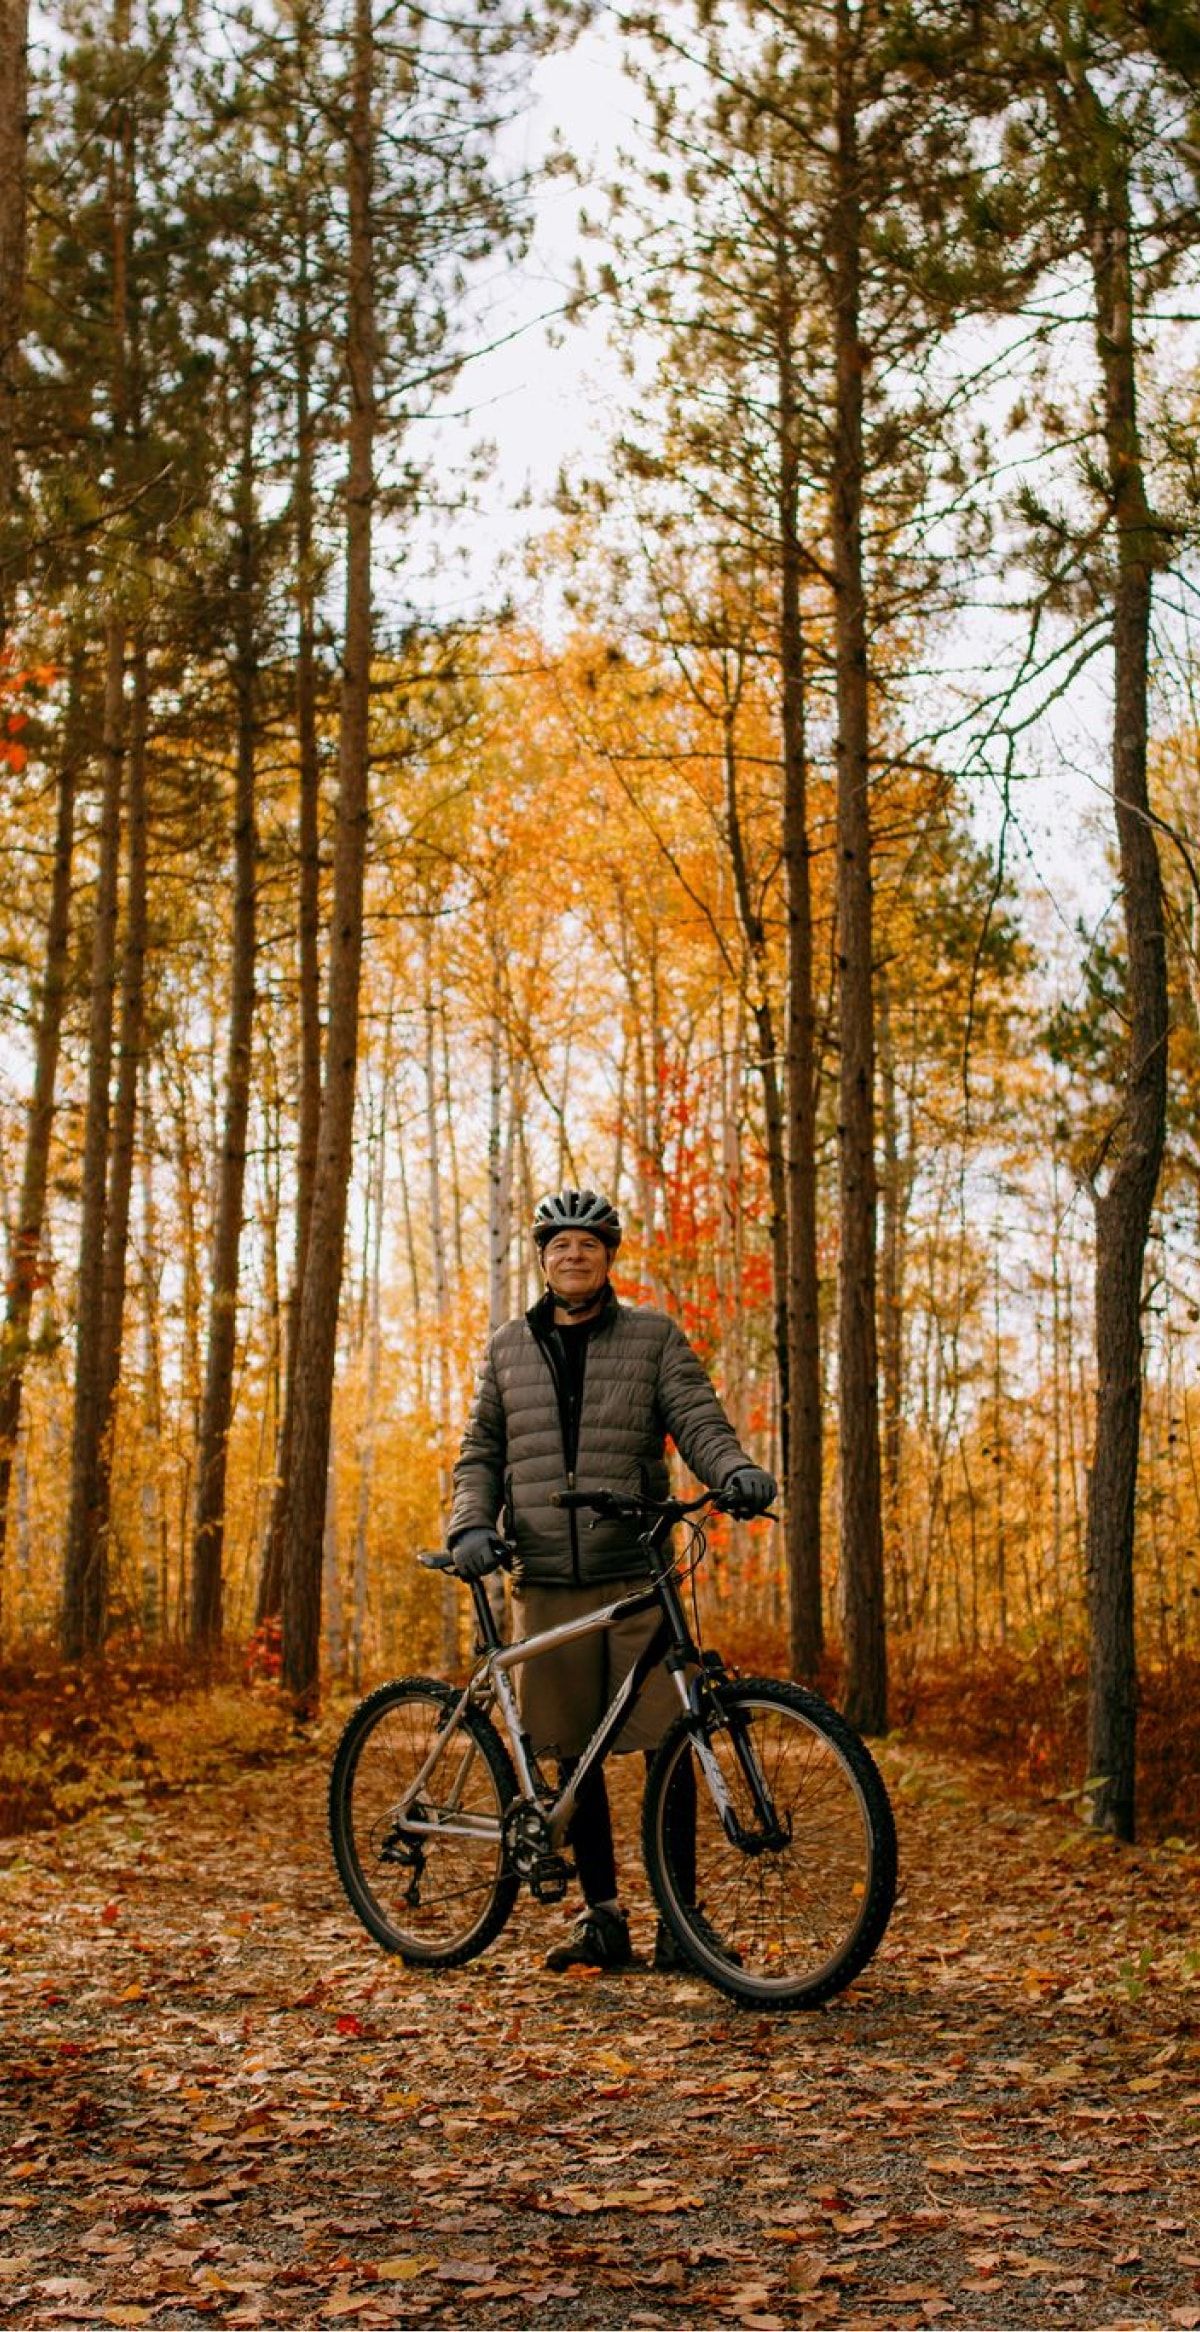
(19, 688)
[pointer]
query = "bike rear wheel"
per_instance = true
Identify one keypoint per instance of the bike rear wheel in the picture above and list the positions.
(784, 1921)
(415, 1803)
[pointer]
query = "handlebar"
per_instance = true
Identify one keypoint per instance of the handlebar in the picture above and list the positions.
(633, 1507)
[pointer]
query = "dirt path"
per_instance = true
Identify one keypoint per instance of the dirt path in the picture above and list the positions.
(222, 2106)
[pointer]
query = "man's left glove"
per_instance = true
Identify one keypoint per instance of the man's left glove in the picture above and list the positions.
(749, 1491)
(477, 1552)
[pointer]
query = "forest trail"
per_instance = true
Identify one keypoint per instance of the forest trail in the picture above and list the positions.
(224, 2107)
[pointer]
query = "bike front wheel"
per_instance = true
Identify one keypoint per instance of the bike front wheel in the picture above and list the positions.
(787, 1910)
(416, 1797)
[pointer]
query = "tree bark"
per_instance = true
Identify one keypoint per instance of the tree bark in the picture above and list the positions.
(83, 1604)
(451, 1594)
(858, 1368)
(217, 1410)
(373, 1338)
(130, 1050)
(317, 1339)
(892, 1303)
(1124, 1206)
(270, 1591)
(14, 139)
(755, 936)
(25, 1265)
(803, 1445)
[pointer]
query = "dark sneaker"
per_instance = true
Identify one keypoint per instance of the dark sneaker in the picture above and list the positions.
(598, 1939)
(671, 1959)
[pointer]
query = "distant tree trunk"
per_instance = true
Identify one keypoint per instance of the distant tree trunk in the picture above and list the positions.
(858, 1366)
(83, 1608)
(14, 139)
(500, 1156)
(25, 1264)
(317, 1339)
(892, 1301)
(130, 1050)
(1123, 1207)
(217, 1410)
(154, 1520)
(441, 1289)
(373, 1337)
(803, 1458)
(270, 1590)
(754, 933)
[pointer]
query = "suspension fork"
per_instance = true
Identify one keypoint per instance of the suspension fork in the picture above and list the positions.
(770, 1834)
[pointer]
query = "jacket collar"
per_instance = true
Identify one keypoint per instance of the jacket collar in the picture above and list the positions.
(541, 1315)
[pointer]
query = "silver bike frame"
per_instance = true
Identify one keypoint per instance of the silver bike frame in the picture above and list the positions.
(494, 1674)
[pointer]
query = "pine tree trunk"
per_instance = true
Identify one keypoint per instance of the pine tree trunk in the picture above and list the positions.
(803, 1327)
(858, 1369)
(217, 1410)
(1124, 1206)
(892, 1301)
(441, 1288)
(24, 1275)
(270, 1589)
(130, 1049)
(754, 933)
(14, 137)
(83, 1609)
(373, 1335)
(316, 1344)
(154, 1519)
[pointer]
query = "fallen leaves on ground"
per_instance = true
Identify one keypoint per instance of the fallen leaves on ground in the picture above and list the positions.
(225, 2107)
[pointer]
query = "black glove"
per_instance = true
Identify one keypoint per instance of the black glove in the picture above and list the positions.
(749, 1491)
(477, 1552)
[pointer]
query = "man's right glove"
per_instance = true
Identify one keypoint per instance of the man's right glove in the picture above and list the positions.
(749, 1491)
(477, 1552)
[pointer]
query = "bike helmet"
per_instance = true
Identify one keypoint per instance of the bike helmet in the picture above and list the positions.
(577, 1210)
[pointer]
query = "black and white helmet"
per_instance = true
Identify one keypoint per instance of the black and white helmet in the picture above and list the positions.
(577, 1210)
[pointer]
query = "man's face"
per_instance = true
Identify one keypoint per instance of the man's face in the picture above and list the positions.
(576, 1266)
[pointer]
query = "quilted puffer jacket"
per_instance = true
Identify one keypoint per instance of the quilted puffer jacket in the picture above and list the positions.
(642, 1381)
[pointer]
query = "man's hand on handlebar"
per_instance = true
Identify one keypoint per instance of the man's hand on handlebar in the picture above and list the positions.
(749, 1491)
(476, 1552)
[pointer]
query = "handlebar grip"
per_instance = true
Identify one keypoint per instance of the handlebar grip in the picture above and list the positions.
(575, 1501)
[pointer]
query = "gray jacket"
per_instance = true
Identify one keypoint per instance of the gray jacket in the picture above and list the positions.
(642, 1381)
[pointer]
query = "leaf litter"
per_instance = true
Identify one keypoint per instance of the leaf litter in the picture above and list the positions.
(224, 2107)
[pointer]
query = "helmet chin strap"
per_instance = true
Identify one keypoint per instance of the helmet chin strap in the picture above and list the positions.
(587, 1303)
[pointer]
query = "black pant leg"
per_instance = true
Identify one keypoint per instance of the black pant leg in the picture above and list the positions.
(681, 1823)
(590, 1836)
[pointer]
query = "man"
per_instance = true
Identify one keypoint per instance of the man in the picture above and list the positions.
(581, 1393)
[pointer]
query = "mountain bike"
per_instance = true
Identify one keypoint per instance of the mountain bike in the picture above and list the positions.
(437, 1821)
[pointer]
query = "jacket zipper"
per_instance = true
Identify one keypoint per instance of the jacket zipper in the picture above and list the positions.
(558, 1381)
(571, 1456)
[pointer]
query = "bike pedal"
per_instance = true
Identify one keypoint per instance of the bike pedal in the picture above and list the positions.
(549, 1878)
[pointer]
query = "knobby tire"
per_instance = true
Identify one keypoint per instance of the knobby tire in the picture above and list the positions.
(786, 1927)
(435, 1901)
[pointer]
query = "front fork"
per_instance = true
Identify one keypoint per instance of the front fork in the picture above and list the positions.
(707, 1713)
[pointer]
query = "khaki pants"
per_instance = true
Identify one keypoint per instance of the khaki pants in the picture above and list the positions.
(565, 1692)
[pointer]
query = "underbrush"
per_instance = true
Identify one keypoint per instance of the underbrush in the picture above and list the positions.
(1024, 1713)
(72, 1739)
